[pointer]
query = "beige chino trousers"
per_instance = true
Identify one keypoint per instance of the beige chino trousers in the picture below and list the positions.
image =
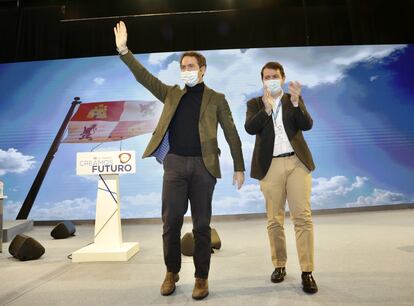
(289, 179)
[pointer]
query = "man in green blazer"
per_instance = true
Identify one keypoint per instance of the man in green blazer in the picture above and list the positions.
(185, 141)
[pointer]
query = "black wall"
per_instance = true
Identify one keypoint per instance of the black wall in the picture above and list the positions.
(36, 30)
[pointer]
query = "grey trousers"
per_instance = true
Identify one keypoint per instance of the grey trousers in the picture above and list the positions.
(186, 178)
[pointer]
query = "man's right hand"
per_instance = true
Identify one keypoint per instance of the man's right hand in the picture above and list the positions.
(268, 101)
(121, 37)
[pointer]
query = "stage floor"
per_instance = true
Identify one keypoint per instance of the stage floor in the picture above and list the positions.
(361, 259)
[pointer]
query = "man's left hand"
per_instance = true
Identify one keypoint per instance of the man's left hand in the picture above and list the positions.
(238, 179)
(295, 90)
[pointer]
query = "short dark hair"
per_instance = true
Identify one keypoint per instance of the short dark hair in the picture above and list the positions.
(274, 66)
(201, 60)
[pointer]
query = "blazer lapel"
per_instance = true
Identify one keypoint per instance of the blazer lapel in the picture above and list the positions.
(205, 99)
(285, 105)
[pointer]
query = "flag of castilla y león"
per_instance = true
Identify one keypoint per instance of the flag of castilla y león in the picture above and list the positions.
(111, 121)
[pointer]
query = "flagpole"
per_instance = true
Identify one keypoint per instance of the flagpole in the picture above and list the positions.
(37, 183)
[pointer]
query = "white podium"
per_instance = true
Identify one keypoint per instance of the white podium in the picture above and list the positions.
(108, 244)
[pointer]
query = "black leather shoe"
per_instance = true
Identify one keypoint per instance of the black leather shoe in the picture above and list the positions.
(278, 275)
(309, 284)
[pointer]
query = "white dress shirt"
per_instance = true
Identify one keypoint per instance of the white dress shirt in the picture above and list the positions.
(282, 144)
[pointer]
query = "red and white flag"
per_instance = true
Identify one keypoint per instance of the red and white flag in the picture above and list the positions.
(111, 121)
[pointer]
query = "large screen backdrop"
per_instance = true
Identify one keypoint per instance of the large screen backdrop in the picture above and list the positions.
(361, 99)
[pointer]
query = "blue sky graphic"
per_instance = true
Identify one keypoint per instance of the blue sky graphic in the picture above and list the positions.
(360, 97)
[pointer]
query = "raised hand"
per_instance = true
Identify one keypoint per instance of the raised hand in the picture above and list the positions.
(121, 35)
(295, 90)
(268, 100)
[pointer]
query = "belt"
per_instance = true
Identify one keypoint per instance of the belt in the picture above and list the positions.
(285, 155)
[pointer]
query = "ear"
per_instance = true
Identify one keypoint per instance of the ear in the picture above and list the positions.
(203, 70)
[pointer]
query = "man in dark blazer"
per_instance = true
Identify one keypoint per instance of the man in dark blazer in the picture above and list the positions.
(282, 162)
(185, 141)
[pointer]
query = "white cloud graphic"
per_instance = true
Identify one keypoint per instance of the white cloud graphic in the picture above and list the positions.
(325, 190)
(12, 161)
(158, 58)
(363, 53)
(99, 80)
(76, 209)
(373, 78)
(338, 185)
(87, 178)
(380, 196)
(171, 74)
(249, 199)
(10, 210)
(141, 205)
(138, 206)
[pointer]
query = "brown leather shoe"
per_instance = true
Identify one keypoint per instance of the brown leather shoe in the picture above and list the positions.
(168, 285)
(200, 290)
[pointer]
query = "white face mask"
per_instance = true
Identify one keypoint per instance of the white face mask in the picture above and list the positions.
(190, 77)
(273, 85)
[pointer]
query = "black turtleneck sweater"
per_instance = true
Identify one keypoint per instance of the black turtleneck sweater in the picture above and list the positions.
(183, 132)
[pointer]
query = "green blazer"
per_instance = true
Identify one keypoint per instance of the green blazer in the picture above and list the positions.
(214, 110)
